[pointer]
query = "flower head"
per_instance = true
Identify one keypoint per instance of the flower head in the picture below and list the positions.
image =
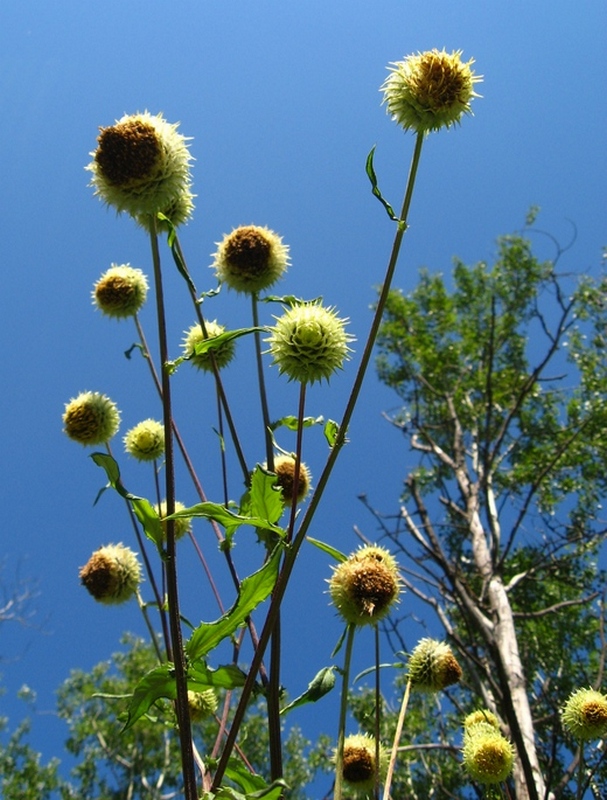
(488, 756)
(365, 586)
(91, 418)
(481, 717)
(145, 441)
(250, 259)
(121, 291)
(112, 574)
(585, 714)
(202, 704)
(359, 762)
(284, 468)
(433, 667)
(142, 166)
(181, 526)
(430, 90)
(222, 354)
(309, 342)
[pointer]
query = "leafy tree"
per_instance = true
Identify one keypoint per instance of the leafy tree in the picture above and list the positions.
(502, 374)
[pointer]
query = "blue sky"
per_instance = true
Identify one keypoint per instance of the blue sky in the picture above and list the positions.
(282, 102)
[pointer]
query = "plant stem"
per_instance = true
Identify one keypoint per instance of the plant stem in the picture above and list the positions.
(378, 709)
(263, 395)
(182, 707)
(397, 735)
(343, 710)
(292, 552)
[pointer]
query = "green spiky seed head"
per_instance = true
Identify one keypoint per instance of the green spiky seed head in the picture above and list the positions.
(488, 756)
(433, 667)
(222, 354)
(202, 704)
(309, 343)
(365, 586)
(429, 90)
(91, 418)
(584, 714)
(112, 574)
(181, 526)
(481, 717)
(142, 166)
(359, 762)
(121, 291)
(145, 441)
(250, 259)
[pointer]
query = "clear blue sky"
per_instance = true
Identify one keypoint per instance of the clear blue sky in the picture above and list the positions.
(282, 102)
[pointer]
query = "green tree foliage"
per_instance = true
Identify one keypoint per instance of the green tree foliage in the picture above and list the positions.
(502, 375)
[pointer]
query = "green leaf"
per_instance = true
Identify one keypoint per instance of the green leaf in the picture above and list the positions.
(265, 501)
(253, 590)
(331, 430)
(327, 548)
(254, 786)
(375, 188)
(292, 422)
(159, 682)
(319, 686)
(227, 676)
(222, 516)
(175, 250)
(213, 342)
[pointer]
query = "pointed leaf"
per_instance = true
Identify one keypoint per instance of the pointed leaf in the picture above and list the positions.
(331, 430)
(227, 676)
(222, 516)
(265, 500)
(159, 682)
(326, 548)
(319, 686)
(375, 188)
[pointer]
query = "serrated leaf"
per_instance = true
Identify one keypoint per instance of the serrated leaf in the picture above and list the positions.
(319, 686)
(292, 422)
(327, 548)
(227, 676)
(227, 519)
(265, 501)
(213, 342)
(159, 682)
(253, 590)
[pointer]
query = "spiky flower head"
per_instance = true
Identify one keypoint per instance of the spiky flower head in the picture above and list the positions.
(145, 441)
(142, 166)
(112, 574)
(359, 762)
(488, 756)
(284, 468)
(222, 354)
(365, 586)
(309, 342)
(91, 418)
(202, 704)
(121, 291)
(181, 526)
(584, 714)
(430, 90)
(433, 667)
(481, 717)
(250, 259)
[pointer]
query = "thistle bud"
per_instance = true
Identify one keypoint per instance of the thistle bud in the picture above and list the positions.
(584, 714)
(121, 291)
(365, 587)
(181, 526)
(145, 441)
(202, 704)
(91, 418)
(284, 468)
(481, 717)
(430, 90)
(359, 762)
(433, 667)
(112, 574)
(488, 756)
(309, 343)
(222, 354)
(250, 259)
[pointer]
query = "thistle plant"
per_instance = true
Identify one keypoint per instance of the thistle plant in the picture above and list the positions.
(142, 167)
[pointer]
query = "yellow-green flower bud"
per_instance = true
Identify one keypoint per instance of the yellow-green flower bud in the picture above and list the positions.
(433, 667)
(142, 166)
(430, 90)
(222, 354)
(250, 259)
(584, 714)
(145, 441)
(359, 762)
(481, 717)
(91, 418)
(488, 756)
(284, 469)
(309, 343)
(365, 587)
(180, 526)
(112, 574)
(121, 291)
(202, 704)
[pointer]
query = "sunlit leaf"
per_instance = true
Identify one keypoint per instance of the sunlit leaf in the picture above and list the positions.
(292, 422)
(159, 682)
(327, 548)
(319, 686)
(331, 431)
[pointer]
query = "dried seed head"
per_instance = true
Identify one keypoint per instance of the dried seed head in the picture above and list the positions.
(145, 441)
(112, 574)
(366, 586)
(584, 714)
(359, 762)
(91, 418)
(223, 354)
(309, 343)
(250, 259)
(284, 468)
(430, 90)
(433, 667)
(121, 291)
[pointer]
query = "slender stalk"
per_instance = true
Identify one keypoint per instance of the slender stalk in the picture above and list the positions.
(263, 396)
(292, 552)
(397, 735)
(182, 707)
(378, 709)
(343, 710)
